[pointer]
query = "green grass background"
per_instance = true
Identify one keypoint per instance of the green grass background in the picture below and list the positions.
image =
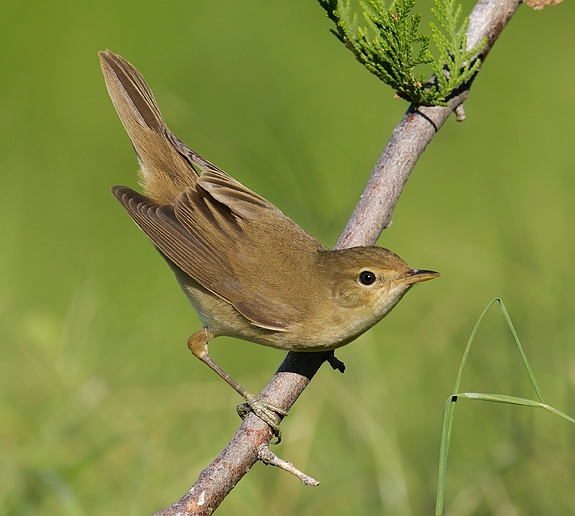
(102, 408)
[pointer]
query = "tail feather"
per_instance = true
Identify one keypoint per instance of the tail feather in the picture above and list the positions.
(165, 171)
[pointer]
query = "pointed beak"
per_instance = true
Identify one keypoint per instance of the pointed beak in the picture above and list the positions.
(417, 276)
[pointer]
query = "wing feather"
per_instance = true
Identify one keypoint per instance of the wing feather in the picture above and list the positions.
(200, 255)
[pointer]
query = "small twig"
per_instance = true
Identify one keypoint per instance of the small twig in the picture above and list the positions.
(460, 113)
(271, 459)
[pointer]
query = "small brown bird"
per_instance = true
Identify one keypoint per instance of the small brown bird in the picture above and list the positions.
(248, 270)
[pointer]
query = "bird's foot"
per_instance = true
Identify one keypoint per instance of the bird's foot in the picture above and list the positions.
(268, 413)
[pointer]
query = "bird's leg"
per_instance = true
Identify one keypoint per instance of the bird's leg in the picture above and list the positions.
(198, 345)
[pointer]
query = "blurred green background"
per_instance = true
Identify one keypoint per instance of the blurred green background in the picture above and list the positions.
(102, 408)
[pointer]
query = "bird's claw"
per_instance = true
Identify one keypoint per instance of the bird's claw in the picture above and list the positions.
(268, 413)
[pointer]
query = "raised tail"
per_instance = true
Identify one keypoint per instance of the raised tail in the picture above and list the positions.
(165, 161)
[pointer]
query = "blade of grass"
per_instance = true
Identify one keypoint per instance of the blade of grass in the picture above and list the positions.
(514, 400)
(507, 320)
(449, 410)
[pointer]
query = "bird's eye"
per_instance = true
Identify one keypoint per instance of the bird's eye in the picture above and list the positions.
(366, 277)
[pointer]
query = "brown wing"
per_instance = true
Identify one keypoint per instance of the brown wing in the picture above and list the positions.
(207, 240)
(170, 237)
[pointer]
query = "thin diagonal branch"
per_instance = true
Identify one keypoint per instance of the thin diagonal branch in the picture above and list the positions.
(371, 216)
